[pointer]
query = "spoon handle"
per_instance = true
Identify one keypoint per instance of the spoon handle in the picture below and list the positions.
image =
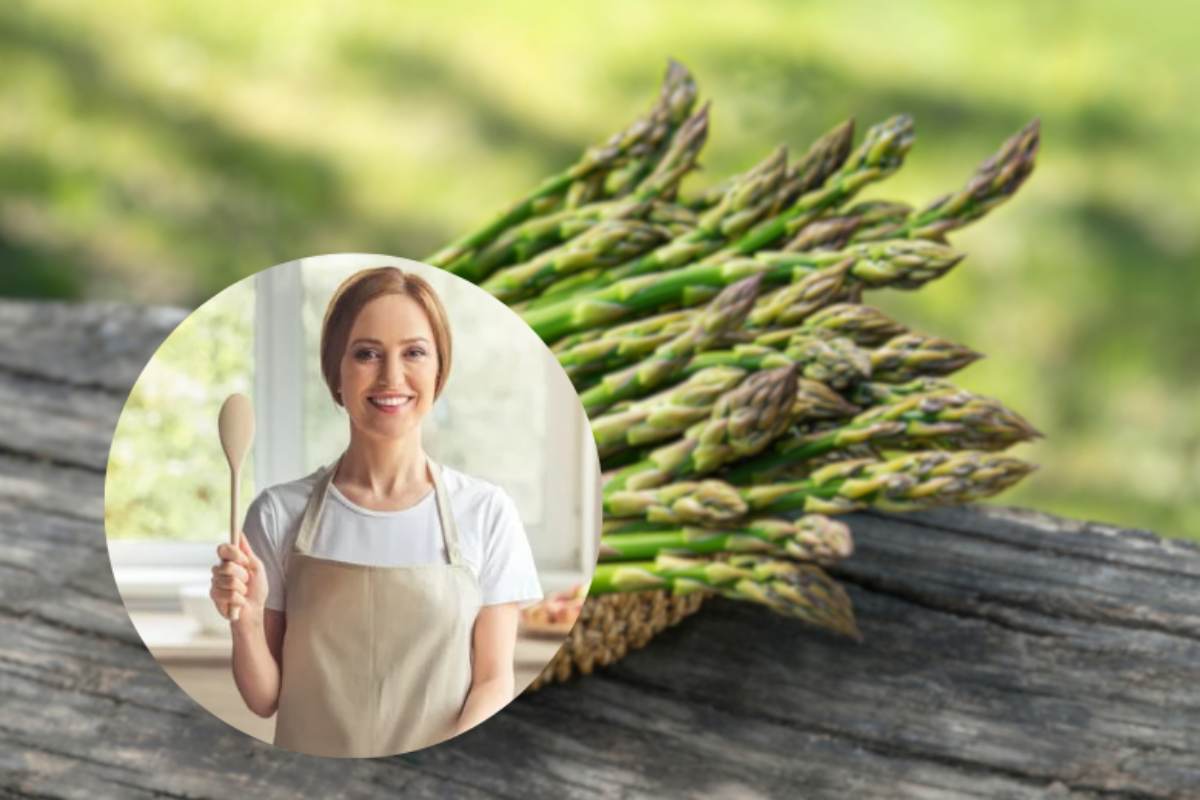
(234, 612)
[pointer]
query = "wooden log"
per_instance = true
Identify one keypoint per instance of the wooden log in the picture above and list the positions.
(1007, 653)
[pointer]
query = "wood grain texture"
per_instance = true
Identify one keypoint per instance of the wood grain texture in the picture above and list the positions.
(1007, 654)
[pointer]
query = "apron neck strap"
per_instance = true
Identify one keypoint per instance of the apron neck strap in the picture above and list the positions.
(445, 516)
(316, 503)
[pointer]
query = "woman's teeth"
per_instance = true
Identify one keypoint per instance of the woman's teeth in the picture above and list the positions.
(390, 402)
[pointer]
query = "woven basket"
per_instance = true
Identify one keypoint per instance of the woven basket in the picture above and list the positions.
(611, 625)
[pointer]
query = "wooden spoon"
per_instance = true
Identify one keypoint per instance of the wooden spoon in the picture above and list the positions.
(235, 424)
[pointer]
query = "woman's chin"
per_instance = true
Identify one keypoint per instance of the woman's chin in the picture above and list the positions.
(389, 426)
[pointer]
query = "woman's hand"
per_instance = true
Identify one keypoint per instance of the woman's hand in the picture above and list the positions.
(239, 581)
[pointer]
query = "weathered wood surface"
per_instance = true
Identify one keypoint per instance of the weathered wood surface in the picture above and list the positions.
(1007, 654)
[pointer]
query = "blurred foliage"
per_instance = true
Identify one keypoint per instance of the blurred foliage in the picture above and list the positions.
(167, 474)
(156, 152)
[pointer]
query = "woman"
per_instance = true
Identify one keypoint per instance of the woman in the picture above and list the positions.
(378, 596)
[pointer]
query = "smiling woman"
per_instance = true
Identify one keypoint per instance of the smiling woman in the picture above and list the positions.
(378, 595)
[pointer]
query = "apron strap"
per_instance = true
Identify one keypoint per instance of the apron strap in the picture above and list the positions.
(449, 527)
(313, 508)
(316, 503)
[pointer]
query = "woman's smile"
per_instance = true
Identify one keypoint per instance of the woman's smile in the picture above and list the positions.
(391, 402)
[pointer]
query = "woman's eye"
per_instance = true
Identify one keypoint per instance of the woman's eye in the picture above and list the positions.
(416, 352)
(365, 354)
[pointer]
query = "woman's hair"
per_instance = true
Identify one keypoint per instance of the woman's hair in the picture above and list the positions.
(361, 288)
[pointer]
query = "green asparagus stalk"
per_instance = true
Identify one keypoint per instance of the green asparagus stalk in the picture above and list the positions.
(866, 326)
(624, 178)
(665, 414)
(876, 393)
(904, 264)
(864, 222)
(760, 193)
(743, 422)
(909, 482)
(606, 243)
(997, 179)
(881, 153)
(662, 416)
(838, 363)
(791, 304)
(725, 313)
(948, 420)
(913, 355)
(803, 591)
(672, 107)
(994, 181)
(749, 198)
(611, 349)
(524, 241)
(811, 537)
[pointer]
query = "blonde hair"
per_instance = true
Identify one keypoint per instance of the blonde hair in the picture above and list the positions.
(361, 288)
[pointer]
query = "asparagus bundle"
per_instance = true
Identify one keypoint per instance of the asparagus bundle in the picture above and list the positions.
(729, 367)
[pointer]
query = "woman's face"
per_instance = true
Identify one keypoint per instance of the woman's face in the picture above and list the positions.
(390, 367)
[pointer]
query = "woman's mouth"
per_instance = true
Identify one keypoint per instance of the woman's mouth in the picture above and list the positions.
(391, 403)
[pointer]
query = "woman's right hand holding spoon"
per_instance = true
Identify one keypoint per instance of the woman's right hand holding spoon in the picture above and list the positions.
(239, 581)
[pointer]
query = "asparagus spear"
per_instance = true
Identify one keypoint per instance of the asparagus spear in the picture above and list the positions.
(761, 192)
(837, 363)
(606, 243)
(524, 241)
(665, 414)
(672, 107)
(748, 198)
(880, 154)
(916, 480)
(678, 99)
(876, 393)
(997, 179)
(811, 537)
(864, 222)
(744, 421)
(611, 349)
(912, 355)
(790, 304)
(994, 181)
(905, 264)
(866, 326)
(947, 419)
(725, 313)
(804, 591)
(662, 416)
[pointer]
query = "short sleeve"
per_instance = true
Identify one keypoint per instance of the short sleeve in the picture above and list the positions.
(508, 573)
(263, 533)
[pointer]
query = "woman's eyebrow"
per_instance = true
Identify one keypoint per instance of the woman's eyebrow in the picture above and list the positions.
(366, 340)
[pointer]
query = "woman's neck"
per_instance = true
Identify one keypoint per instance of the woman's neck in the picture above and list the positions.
(383, 469)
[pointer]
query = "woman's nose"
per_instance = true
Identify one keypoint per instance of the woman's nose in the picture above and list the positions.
(393, 370)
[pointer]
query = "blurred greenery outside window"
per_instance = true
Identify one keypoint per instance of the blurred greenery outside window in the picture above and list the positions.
(167, 475)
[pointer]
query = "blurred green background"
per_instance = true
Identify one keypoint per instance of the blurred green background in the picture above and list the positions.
(156, 152)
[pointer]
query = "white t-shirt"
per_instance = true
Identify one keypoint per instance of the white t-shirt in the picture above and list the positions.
(491, 537)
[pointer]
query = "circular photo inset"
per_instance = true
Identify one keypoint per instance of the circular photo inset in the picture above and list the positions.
(336, 497)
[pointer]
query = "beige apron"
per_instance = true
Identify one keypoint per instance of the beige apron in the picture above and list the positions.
(376, 660)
